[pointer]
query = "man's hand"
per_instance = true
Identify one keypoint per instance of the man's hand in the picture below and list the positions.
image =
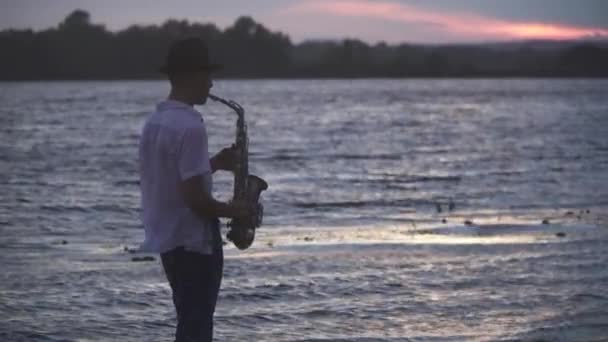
(243, 209)
(225, 159)
(201, 202)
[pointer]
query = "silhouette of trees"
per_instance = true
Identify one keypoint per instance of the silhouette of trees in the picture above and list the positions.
(583, 60)
(79, 49)
(249, 49)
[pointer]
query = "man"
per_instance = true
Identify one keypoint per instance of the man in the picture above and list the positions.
(180, 215)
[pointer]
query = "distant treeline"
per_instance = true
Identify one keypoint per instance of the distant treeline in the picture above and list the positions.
(79, 49)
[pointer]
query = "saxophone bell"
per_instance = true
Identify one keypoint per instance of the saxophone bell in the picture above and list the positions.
(242, 229)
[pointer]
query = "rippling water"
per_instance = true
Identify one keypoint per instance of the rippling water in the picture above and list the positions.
(359, 242)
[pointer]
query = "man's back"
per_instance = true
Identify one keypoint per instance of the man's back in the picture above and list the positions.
(173, 147)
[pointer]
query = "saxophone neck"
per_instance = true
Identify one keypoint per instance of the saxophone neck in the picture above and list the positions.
(230, 103)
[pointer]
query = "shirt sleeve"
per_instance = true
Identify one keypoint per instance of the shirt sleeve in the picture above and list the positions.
(193, 154)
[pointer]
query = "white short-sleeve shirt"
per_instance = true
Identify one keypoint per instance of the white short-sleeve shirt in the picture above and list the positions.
(173, 148)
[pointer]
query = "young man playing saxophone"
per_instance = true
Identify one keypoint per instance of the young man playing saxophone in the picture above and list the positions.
(180, 215)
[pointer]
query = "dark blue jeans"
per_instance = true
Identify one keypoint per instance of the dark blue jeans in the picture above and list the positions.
(195, 282)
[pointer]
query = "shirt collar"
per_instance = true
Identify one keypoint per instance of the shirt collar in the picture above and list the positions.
(176, 106)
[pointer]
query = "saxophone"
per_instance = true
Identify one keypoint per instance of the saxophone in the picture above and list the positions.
(246, 187)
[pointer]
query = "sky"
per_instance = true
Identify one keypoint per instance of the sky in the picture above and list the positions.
(391, 21)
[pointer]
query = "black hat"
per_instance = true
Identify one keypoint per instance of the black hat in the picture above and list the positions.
(190, 54)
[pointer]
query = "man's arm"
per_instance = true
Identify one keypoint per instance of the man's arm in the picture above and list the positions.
(215, 164)
(224, 160)
(193, 164)
(205, 205)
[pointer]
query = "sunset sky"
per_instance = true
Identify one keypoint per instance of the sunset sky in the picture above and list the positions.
(393, 21)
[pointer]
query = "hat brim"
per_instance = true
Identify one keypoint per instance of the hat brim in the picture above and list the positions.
(209, 67)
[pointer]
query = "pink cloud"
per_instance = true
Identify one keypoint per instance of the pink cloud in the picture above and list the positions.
(454, 24)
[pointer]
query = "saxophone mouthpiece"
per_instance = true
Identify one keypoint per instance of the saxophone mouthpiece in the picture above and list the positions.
(235, 106)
